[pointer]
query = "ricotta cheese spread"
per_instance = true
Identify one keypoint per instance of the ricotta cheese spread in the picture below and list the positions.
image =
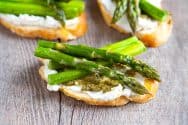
(156, 2)
(48, 71)
(110, 95)
(145, 23)
(37, 21)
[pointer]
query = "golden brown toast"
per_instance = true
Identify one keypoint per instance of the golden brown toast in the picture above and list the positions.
(151, 85)
(62, 34)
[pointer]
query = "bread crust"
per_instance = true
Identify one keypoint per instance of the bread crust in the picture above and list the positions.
(122, 100)
(154, 38)
(63, 34)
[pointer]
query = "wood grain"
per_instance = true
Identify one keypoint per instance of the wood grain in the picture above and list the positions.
(24, 99)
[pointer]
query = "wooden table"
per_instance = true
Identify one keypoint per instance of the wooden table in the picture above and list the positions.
(25, 100)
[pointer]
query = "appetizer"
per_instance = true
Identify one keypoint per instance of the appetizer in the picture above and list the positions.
(47, 19)
(144, 18)
(97, 76)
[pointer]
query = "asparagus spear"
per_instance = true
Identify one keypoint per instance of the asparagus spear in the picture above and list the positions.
(121, 7)
(131, 46)
(153, 11)
(61, 8)
(57, 66)
(94, 53)
(25, 8)
(90, 66)
(66, 76)
(134, 49)
(49, 5)
(54, 65)
(132, 9)
(39, 8)
(72, 8)
(27, 1)
(133, 12)
(121, 44)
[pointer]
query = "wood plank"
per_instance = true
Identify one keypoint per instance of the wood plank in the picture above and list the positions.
(25, 100)
(170, 105)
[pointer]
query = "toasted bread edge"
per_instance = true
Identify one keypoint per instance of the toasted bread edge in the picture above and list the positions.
(63, 34)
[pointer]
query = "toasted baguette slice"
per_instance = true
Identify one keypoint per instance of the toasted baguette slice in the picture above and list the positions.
(154, 38)
(62, 34)
(151, 85)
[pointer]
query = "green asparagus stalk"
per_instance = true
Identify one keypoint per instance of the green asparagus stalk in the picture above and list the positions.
(94, 53)
(73, 8)
(133, 12)
(33, 7)
(121, 7)
(132, 9)
(153, 11)
(90, 66)
(121, 44)
(24, 8)
(60, 15)
(27, 1)
(134, 49)
(54, 65)
(66, 76)
(131, 46)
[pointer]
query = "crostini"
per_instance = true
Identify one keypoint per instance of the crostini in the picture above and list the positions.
(144, 18)
(53, 20)
(96, 76)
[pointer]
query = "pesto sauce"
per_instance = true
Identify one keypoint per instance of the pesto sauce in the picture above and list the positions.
(97, 83)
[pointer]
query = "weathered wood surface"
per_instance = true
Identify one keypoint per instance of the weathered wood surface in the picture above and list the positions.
(24, 99)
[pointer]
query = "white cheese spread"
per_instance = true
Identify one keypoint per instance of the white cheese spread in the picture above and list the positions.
(53, 87)
(48, 71)
(145, 23)
(155, 2)
(37, 21)
(110, 95)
